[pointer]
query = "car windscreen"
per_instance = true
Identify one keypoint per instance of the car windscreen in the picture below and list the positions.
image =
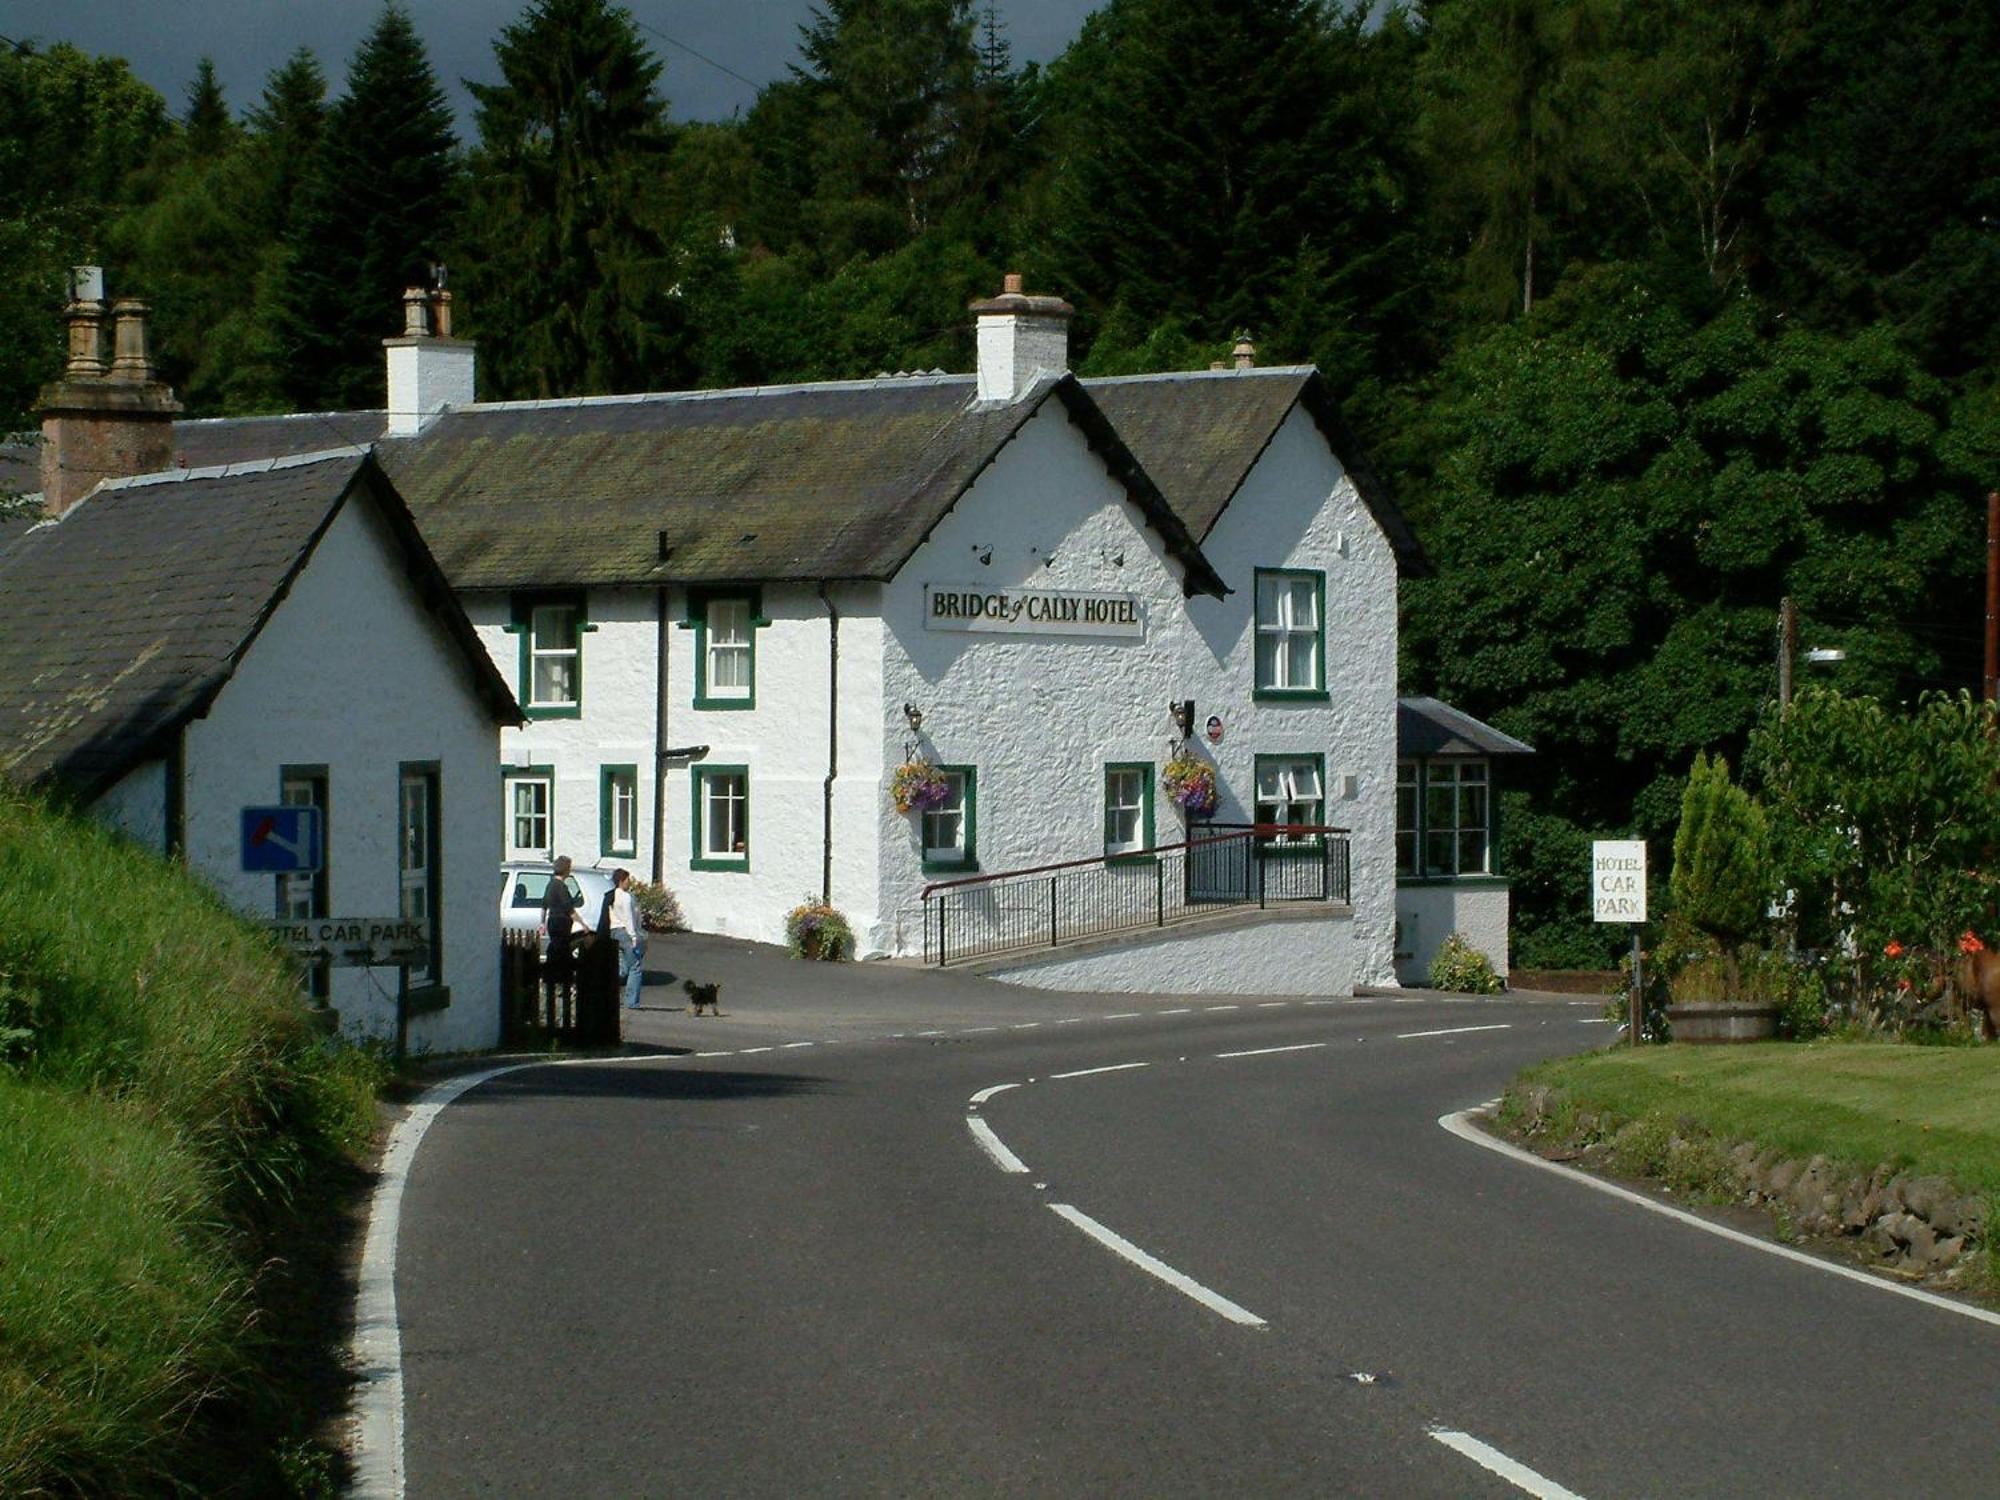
(529, 888)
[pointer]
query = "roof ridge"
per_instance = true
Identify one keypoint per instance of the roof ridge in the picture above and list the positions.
(722, 393)
(231, 470)
(1295, 371)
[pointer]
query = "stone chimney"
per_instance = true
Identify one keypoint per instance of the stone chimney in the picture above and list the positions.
(108, 417)
(1245, 352)
(428, 368)
(1021, 338)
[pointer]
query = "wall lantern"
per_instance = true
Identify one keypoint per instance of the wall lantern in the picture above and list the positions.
(1181, 711)
(915, 715)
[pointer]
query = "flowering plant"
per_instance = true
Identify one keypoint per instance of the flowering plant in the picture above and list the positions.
(918, 786)
(1968, 942)
(813, 929)
(1190, 782)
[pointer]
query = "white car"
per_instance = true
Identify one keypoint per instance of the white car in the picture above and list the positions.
(524, 883)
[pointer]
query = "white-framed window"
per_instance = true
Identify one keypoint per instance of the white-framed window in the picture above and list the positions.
(1407, 829)
(949, 828)
(555, 656)
(1128, 808)
(1291, 632)
(722, 818)
(1290, 790)
(1457, 818)
(618, 811)
(531, 802)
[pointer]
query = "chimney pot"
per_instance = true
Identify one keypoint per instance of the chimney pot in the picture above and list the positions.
(416, 312)
(130, 361)
(1011, 284)
(1245, 352)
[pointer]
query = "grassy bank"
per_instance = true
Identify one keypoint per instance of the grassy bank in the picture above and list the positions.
(177, 1141)
(1922, 1110)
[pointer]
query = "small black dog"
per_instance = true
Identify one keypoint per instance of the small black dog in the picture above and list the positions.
(703, 994)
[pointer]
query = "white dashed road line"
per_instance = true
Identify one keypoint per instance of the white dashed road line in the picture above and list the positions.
(1212, 1008)
(1126, 1015)
(993, 1146)
(1185, 1010)
(1117, 1244)
(1114, 1068)
(1267, 1051)
(987, 1093)
(1455, 1031)
(1494, 1461)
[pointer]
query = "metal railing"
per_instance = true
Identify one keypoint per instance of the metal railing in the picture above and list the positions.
(1235, 865)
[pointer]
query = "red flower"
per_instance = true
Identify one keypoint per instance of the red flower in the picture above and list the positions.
(1969, 943)
(1894, 950)
(1901, 985)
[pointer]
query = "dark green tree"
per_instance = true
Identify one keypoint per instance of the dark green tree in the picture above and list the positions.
(286, 124)
(370, 218)
(206, 125)
(1722, 851)
(571, 259)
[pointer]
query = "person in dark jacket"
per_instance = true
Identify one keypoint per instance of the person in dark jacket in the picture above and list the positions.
(560, 919)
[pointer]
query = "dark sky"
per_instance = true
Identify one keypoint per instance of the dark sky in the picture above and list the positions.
(247, 38)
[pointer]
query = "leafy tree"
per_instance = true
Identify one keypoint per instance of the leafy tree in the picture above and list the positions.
(1884, 820)
(369, 219)
(570, 255)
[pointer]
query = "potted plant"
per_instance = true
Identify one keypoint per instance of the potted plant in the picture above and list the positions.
(1720, 889)
(1190, 783)
(918, 786)
(816, 930)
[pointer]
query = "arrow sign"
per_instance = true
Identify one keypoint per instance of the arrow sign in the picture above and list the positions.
(281, 840)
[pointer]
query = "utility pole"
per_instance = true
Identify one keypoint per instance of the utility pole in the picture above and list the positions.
(1993, 596)
(1788, 647)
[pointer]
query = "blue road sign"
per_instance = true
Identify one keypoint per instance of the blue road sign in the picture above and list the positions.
(281, 840)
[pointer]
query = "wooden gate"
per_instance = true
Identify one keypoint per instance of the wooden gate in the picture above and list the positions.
(574, 1004)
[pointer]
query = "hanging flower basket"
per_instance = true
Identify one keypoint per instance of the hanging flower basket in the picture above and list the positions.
(918, 786)
(1190, 783)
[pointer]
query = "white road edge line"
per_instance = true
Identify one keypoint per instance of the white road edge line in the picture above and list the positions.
(1267, 1051)
(1114, 1068)
(993, 1146)
(1460, 1125)
(1117, 1244)
(1494, 1461)
(377, 1344)
(1456, 1031)
(999, 1088)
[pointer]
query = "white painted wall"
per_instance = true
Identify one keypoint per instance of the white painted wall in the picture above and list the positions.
(1431, 913)
(351, 672)
(137, 805)
(1277, 957)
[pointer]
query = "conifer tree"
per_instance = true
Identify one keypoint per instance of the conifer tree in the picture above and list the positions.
(209, 131)
(575, 269)
(286, 125)
(368, 221)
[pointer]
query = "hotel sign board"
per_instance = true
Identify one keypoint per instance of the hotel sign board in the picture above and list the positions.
(1033, 612)
(362, 942)
(1618, 880)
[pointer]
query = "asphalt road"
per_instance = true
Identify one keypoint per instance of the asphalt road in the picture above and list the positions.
(798, 1270)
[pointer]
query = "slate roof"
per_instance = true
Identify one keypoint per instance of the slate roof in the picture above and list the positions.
(1426, 726)
(834, 480)
(124, 619)
(1198, 434)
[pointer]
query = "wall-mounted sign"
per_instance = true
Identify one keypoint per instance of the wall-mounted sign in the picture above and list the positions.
(360, 942)
(1618, 880)
(281, 840)
(1215, 729)
(1033, 612)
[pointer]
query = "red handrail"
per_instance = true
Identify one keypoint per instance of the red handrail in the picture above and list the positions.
(1238, 831)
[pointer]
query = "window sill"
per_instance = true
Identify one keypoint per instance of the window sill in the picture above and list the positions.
(1289, 695)
(573, 711)
(725, 705)
(1136, 857)
(627, 852)
(722, 866)
(951, 867)
(1463, 882)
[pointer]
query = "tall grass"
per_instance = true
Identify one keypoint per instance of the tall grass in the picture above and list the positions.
(170, 1118)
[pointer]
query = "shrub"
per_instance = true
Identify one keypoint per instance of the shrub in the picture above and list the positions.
(659, 910)
(1721, 876)
(815, 930)
(1463, 969)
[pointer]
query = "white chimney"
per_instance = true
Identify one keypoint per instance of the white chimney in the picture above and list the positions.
(1021, 339)
(428, 368)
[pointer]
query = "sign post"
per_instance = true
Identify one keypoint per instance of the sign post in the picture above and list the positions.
(1618, 894)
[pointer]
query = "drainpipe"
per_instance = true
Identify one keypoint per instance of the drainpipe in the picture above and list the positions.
(660, 735)
(832, 743)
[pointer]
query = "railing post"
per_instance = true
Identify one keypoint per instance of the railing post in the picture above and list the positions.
(1261, 863)
(1052, 911)
(1159, 892)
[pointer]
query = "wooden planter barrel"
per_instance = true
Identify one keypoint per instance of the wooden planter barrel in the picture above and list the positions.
(1723, 1023)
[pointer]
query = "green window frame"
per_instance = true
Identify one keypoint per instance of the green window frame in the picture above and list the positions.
(543, 651)
(1287, 800)
(510, 813)
(1143, 808)
(1432, 849)
(961, 817)
(1278, 635)
(735, 696)
(618, 791)
(736, 859)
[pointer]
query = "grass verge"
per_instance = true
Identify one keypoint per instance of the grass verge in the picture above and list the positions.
(179, 1146)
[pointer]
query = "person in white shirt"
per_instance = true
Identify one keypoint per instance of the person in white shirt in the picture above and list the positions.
(629, 932)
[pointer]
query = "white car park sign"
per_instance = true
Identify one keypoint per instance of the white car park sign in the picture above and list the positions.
(1618, 880)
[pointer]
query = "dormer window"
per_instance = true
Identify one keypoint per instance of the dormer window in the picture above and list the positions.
(551, 628)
